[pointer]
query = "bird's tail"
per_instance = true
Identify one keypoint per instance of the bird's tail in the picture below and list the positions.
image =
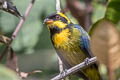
(92, 72)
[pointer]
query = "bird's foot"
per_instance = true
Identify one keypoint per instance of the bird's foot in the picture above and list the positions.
(86, 61)
(63, 73)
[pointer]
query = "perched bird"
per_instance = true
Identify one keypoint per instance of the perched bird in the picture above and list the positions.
(71, 43)
(7, 5)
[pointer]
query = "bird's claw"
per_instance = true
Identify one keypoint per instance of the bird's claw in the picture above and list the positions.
(63, 72)
(86, 61)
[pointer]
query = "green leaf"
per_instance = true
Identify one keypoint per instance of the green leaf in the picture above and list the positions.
(7, 74)
(113, 11)
(98, 12)
(94, 26)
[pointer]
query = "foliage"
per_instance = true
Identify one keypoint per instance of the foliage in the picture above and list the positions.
(33, 38)
(7, 74)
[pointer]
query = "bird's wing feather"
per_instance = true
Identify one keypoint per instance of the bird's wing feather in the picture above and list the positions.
(84, 41)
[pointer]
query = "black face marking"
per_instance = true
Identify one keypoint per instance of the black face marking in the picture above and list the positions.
(63, 20)
(54, 30)
(57, 17)
(53, 16)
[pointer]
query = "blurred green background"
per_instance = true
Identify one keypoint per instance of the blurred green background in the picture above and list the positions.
(32, 44)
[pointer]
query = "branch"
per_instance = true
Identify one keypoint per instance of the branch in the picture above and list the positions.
(60, 65)
(80, 12)
(58, 8)
(75, 69)
(19, 26)
(23, 19)
(61, 68)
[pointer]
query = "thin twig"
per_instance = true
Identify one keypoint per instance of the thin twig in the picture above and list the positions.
(89, 10)
(61, 68)
(58, 8)
(17, 28)
(80, 12)
(60, 65)
(23, 19)
(4, 52)
(74, 69)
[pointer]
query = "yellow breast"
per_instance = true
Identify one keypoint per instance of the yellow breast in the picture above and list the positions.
(59, 39)
(67, 44)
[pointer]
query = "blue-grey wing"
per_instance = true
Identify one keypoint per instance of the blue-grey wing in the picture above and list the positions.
(84, 41)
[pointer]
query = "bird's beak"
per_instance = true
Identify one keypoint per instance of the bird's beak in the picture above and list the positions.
(48, 21)
(9, 7)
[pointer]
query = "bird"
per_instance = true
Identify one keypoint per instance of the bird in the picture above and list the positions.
(8, 6)
(72, 44)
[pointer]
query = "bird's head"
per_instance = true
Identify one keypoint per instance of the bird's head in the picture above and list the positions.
(57, 22)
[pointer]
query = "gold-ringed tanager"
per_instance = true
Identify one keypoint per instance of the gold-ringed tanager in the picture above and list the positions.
(72, 44)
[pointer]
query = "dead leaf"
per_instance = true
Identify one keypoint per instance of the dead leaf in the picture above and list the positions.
(11, 61)
(24, 75)
(105, 43)
(4, 39)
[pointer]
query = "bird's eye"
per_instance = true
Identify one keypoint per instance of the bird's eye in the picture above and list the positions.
(57, 17)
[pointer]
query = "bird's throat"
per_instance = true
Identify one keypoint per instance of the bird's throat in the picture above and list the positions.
(60, 39)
